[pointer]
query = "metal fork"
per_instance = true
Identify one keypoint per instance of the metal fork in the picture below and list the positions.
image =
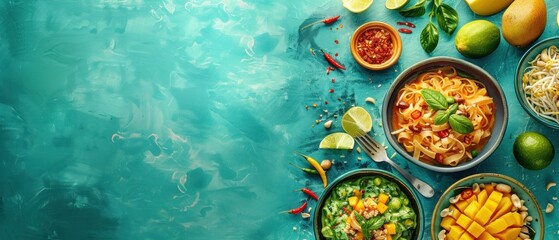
(377, 152)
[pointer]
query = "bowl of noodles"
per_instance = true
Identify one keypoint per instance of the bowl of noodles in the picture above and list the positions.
(445, 114)
(537, 82)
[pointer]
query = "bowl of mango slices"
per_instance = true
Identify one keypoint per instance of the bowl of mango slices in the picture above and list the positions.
(487, 206)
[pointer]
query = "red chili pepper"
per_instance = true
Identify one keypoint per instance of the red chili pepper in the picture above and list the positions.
(331, 60)
(443, 133)
(297, 210)
(466, 193)
(439, 158)
(404, 30)
(409, 24)
(346, 210)
(416, 114)
(310, 193)
(326, 21)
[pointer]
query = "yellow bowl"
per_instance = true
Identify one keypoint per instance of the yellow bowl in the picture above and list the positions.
(357, 41)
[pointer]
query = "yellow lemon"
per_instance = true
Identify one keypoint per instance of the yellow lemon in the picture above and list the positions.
(487, 7)
(357, 6)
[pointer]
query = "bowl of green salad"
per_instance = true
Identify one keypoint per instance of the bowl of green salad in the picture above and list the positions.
(368, 204)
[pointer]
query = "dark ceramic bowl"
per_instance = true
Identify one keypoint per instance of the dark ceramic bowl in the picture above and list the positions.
(493, 88)
(359, 173)
(530, 55)
(523, 193)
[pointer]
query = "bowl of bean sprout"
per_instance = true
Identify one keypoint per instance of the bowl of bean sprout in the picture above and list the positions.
(537, 82)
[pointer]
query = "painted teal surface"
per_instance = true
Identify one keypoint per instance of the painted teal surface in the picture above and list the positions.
(174, 119)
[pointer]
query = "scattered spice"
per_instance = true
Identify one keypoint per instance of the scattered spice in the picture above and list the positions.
(375, 46)
(331, 90)
(318, 168)
(310, 193)
(336, 42)
(332, 61)
(405, 23)
(326, 21)
(312, 52)
(328, 69)
(314, 105)
(326, 102)
(297, 210)
(333, 80)
(404, 30)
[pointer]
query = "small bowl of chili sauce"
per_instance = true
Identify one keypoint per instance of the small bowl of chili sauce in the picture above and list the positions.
(376, 45)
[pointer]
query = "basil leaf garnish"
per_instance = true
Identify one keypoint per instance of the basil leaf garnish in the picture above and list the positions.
(441, 117)
(453, 108)
(447, 18)
(461, 124)
(434, 99)
(363, 223)
(414, 11)
(429, 37)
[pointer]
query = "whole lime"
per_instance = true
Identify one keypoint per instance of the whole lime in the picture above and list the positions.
(533, 150)
(477, 39)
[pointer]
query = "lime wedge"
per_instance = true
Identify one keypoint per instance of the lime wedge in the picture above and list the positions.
(337, 140)
(357, 120)
(356, 6)
(395, 4)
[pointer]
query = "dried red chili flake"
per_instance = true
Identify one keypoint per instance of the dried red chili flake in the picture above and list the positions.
(326, 102)
(375, 46)
(331, 90)
(328, 69)
(404, 30)
(336, 41)
(335, 54)
(333, 80)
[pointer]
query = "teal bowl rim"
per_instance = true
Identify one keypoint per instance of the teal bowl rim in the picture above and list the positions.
(529, 55)
(496, 92)
(356, 173)
(505, 179)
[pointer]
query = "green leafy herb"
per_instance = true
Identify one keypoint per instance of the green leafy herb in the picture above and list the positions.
(363, 223)
(429, 37)
(375, 222)
(461, 124)
(413, 11)
(442, 117)
(434, 99)
(447, 18)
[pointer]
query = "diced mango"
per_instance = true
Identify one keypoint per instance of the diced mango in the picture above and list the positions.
(454, 212)
(482, 217)
(513, 219)
(447, 222)
(360, 205)
(492, 206)
(462, 205)
(486, 236)
(504, 206)
(489, 188)
(475, 229)
(495, 196)
(496, 226)
(390, 228)
(482, 197)
(466, 236)
(509, 233)
(383, 198)
(464, 221)
(381, 207)
(352, 201)
(455, 232)
(471, 209)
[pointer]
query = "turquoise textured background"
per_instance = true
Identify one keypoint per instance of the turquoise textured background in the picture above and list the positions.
(175, 119)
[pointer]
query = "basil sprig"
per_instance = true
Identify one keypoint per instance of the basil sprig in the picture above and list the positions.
(437, 101)
(446, 16)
